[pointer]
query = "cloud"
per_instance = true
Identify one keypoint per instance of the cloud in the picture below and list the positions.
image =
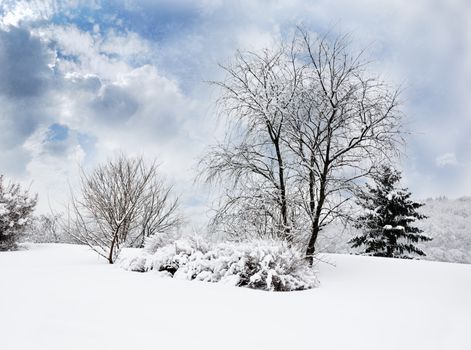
(25, 71)
(114, 105)
(446, 159)
(99, 100)
(26, 84)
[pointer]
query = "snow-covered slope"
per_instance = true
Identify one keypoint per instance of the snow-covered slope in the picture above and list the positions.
(64, 297)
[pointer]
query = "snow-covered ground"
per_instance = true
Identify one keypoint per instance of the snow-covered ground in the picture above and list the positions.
(65, 297)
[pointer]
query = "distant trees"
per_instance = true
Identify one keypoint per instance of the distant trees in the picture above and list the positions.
(16, 208)
(122, 202)
(47, 228)
(307, 123)
(386, 223)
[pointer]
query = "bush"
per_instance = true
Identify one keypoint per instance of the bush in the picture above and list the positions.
(16, 208)
(261, 264)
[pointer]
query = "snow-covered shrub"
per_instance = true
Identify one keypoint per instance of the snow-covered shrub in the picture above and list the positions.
(159, 240)
(260, 264)
(16, 208)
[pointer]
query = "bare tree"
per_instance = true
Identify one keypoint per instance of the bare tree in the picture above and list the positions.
(121, 201)
(311, 124)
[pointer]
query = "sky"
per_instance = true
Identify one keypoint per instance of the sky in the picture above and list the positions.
(83, 80)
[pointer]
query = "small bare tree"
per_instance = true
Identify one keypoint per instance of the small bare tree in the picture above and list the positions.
(121, 202)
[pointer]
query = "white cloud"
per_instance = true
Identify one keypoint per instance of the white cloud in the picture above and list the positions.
(16, 11)
(446, 159)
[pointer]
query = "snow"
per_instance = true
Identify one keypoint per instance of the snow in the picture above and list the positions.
(390, 227)
(64, 297)
(3, 209)
(22, 221)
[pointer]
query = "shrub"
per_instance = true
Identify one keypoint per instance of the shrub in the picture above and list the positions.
(16, 208)
(261, 264)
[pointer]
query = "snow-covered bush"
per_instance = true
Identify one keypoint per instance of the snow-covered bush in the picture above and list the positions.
(261, 264)
(16, 208)
(160, 240)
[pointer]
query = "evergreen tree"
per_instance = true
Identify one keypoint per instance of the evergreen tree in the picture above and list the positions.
(387, 219)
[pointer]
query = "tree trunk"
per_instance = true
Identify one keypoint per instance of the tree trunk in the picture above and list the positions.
(284, 205)
(110, 255)
(315, 227)
(392, 242)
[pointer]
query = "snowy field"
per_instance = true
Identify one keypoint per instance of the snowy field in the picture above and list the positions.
(63, 297)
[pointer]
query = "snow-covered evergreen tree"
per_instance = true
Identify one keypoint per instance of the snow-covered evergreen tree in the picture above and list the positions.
(386, 223)
(16, 208)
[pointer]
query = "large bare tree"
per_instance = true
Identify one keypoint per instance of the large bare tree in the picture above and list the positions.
(313, 122)
(121, 202)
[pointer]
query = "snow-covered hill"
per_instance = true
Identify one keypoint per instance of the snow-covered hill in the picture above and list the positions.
(65, 297)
